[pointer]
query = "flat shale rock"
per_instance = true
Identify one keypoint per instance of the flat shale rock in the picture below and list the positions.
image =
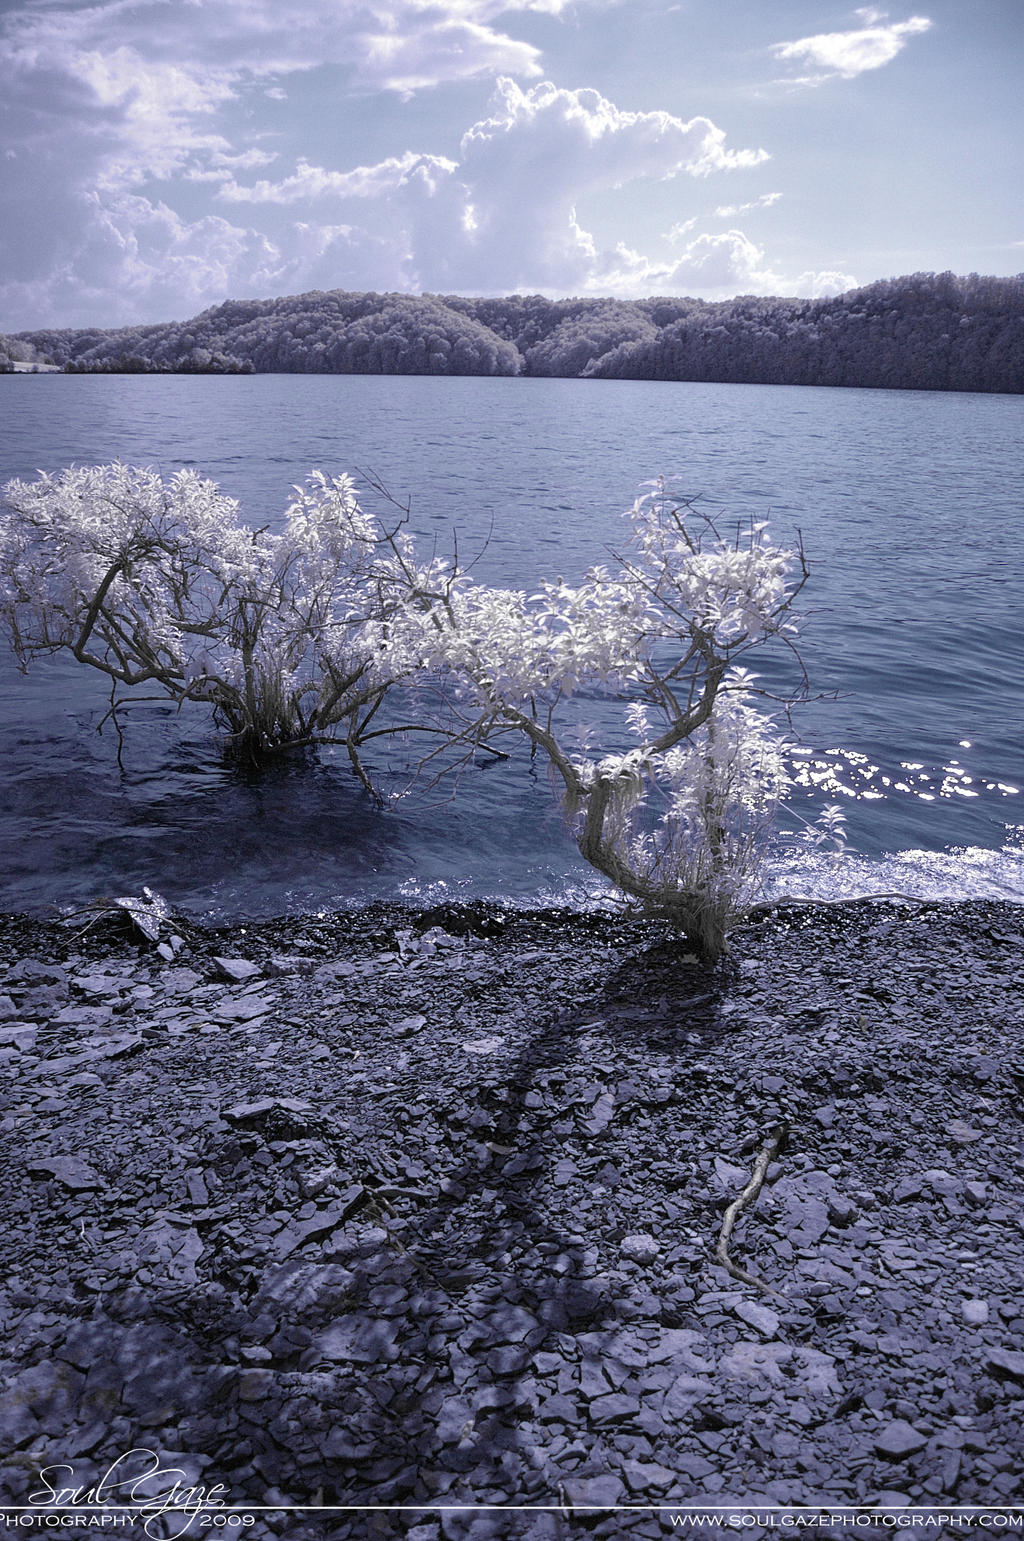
(238, 969)
(898, 1440)
(761, 1317)
(75, 1175)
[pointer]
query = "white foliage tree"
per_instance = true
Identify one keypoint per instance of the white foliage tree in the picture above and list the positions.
(678, 818)
(158, 583)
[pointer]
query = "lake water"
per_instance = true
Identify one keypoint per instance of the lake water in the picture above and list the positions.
(910, 507)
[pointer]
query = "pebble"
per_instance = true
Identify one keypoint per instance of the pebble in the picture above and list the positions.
(641, 1248)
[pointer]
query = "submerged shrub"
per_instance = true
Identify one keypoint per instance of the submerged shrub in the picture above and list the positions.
(158, 583)
(295, 639)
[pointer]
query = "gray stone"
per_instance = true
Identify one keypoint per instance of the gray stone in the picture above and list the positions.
(84, 1018)
(245, 1112)
(802, 1201)
(282, 964)
(255, 1385)
(179, 981)
(1007, 1361)
(841, 1210)
(683, 1394)
(297, 1232)
(508, 1360)
(558, 1409)
(815, 1373)
(357, 1339)
(898, 1440)
(511, 1324)
(730, 1176)
(694, 1466)
(599, 1118)
(681, 1346)
(482, 1045)
(962, 1133)
(246, 1008)
(238, 969)
(18, 1424)
(20, 1035)
(614, 1408)
(331, 971)
(974, 1312)
(641, 1248)
(757, 1316)
(749, 1361)
(645, 1476)
(74, 1174)
(597, 1492)
(593, 1381)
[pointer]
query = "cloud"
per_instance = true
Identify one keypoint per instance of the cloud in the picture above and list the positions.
(730, 210)
(167, 267)
(849, 54)
(713, 267)
(586, 130)
(312, 182)
(543, 152)
(107, 100)
(142, 188)
(153, 76)
(387, 43)
(505, 215)
(411, 61)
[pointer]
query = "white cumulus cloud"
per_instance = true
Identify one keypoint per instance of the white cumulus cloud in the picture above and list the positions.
(505, 216)
(713, 267)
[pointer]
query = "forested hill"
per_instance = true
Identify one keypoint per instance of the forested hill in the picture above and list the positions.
(924, 332)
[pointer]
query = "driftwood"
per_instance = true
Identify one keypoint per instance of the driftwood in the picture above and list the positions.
(767, 1154)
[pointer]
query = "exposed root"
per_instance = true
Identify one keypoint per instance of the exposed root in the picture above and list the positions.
(768, 1153)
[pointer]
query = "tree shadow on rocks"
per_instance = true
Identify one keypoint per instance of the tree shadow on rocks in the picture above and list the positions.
(450, 1348)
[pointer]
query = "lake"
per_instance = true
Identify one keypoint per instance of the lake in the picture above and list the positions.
(910, 509)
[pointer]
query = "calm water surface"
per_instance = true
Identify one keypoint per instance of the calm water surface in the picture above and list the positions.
(910, 509)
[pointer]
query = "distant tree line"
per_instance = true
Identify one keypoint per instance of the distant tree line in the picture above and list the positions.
(928, 331)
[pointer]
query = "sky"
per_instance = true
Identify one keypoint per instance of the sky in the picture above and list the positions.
(160, 156)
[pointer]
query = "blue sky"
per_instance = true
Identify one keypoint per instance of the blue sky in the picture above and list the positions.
(158, 156)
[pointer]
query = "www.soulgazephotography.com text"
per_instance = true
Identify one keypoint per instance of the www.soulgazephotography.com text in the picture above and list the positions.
(929, 1521)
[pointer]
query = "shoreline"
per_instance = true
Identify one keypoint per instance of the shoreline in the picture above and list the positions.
(419, 1207)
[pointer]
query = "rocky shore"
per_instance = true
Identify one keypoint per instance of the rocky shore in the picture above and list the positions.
(414, 1210)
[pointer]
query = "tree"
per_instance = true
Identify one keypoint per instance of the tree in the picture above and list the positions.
(677, 819)
(157, 583)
